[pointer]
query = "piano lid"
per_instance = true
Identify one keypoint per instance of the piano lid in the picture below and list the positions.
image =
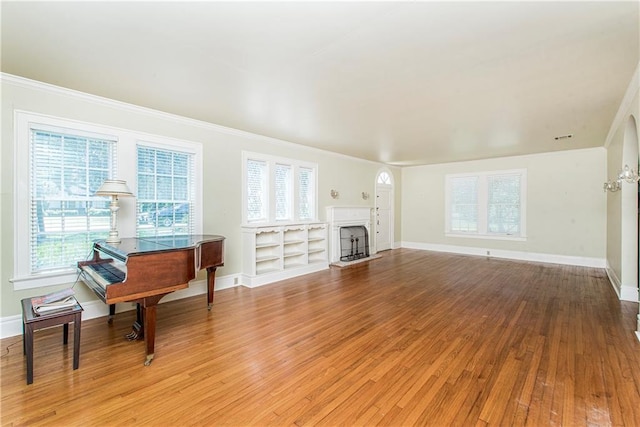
(130, 246)
(185, 241)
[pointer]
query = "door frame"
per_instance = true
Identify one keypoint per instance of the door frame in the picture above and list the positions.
(391, 188)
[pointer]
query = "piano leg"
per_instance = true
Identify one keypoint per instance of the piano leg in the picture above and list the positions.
(149, 305)
(112, 312)
(211, 281)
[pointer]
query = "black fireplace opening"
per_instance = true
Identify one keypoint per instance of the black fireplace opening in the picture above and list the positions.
(354, 243)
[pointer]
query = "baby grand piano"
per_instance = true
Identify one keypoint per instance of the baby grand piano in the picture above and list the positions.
(143, 270)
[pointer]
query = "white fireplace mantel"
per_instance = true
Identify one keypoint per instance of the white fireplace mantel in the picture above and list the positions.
(346, 216)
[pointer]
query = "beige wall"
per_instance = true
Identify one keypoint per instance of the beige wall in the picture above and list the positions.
(622, 231)
(222, 169)
(566, 208)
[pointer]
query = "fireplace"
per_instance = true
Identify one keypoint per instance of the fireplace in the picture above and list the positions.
(356, 222)
(354, 243)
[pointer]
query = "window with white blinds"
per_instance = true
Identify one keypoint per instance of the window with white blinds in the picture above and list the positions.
(487, 204)
(283, 192)
(306, 194)
(65, 216)
(503, 204)
(165, 192)
(60, 164)
(277, 189)
(256, 190)
(464, 204)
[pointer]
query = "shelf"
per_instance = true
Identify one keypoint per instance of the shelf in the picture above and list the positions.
(292, 254)
(267, 258)
(293, 242)
(293, 248)
(294, 265)
(267, 245)
(267, 270)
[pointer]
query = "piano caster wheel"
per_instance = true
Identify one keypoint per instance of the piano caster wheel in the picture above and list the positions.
(110, 320)
(149, 360)
(137, 333)
(209, 307)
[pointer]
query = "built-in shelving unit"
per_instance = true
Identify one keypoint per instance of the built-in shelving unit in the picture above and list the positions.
(272, 253)
(267, 251)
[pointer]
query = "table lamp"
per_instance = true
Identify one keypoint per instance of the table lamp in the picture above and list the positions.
(114, 188)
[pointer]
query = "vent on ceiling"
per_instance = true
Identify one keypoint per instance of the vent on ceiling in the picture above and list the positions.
(567, 136)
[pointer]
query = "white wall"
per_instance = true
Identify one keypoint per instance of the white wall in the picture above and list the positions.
(222, 149)
(622, 225)
(566, 208)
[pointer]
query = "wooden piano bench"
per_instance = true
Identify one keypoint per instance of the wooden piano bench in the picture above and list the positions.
(32, 322)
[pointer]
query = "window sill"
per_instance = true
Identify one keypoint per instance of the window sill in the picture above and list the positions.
(488, 236)
(44, 279)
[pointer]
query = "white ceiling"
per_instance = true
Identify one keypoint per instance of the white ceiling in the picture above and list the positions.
(403, 83)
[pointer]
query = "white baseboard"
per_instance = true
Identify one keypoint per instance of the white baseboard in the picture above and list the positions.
(628, 293)
(516, 255)
(613, 279)
(625, 293)
(12, 325)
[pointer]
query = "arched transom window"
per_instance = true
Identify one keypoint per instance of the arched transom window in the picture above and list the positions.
(384, 178)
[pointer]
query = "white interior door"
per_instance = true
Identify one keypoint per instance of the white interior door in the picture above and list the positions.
(383, 218)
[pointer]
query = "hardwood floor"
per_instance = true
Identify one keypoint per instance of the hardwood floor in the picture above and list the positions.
(412, 338)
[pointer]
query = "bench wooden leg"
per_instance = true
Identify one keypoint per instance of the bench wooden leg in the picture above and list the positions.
(65, 333)
(28, 345)
(77, 323)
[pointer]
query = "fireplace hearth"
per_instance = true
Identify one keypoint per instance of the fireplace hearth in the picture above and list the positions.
(354, 243)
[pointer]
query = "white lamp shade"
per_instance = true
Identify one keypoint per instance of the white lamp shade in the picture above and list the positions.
(114, 187)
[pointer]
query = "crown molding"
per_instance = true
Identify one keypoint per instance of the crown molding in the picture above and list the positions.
(112, 103)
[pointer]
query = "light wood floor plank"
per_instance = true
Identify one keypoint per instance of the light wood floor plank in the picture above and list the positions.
(412, 338)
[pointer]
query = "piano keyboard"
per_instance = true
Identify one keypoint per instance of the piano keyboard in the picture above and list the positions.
(105, 273)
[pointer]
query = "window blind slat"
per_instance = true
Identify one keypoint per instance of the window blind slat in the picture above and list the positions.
(166, 192)
(306, 196)
(256, 190)
(464, 204)
(283, 192)
(65, 217)
(503, 207)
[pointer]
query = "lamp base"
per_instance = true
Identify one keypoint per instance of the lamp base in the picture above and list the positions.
(113, 238)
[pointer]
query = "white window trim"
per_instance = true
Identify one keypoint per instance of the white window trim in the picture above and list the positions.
(271, 161)
(126, 141)
(482, 232)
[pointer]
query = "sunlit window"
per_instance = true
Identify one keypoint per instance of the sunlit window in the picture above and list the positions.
(486, 204)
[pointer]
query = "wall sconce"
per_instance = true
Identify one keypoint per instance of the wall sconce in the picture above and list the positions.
(365, 195)
(612, 186)
(114, 188)
(334, 194)
(627, 175)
